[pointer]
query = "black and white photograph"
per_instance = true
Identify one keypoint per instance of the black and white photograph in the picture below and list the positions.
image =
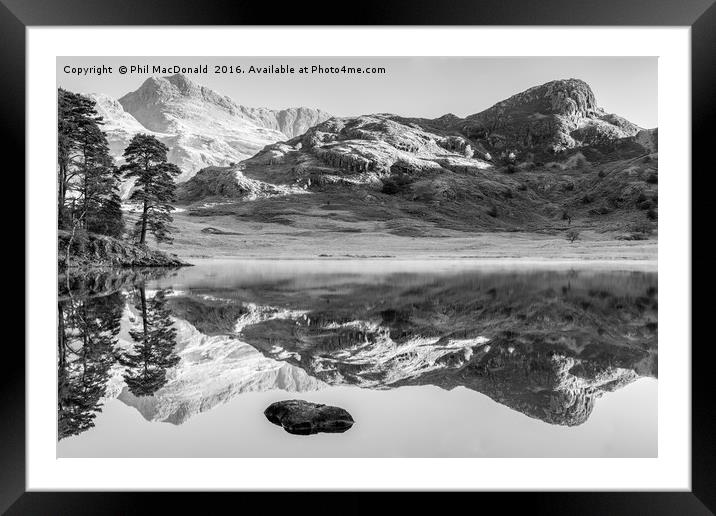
(357, 256)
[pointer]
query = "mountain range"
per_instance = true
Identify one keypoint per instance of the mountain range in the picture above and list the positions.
(529, 163)
(536, 161)
(200, 127)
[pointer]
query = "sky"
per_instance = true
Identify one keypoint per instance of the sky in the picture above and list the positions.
(426, 87)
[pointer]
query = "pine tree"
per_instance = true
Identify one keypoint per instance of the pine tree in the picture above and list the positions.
(108, 219)
(154, 188)
(85, 168)
(75, 117)
(153, 353)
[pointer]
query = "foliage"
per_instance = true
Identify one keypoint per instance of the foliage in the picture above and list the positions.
(642, 228)
(108, 219)
(572, 235)
(390, 187)
(154, 187)
(644, 203)
(396, 183)
(87, 178)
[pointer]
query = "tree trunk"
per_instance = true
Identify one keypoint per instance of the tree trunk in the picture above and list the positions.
(61, 194)
(83, 224)
(143, 297)
(142, 293)
(69, 249)
(144, 224)
(61, 335)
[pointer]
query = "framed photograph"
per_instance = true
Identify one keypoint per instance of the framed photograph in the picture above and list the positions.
(432, 250)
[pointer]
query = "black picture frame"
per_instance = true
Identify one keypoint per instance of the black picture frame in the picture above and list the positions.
(17, 15)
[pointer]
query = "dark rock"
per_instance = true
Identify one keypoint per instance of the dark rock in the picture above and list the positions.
(216, 231)
(306, 418)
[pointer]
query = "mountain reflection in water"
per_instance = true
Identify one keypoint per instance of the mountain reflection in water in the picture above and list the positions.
(545, 343)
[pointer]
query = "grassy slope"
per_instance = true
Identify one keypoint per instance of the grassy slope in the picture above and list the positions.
(487, 214)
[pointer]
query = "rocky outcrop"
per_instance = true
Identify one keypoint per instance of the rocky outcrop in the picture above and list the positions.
(371, 145)
(572, 98)
(648, 138)
(230, 182)
(306, 418)
(98, 251)
(555, 116)
(292, 121)
(350, 162)
(210, 182)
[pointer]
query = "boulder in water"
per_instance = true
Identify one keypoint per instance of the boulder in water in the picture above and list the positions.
(306, 418)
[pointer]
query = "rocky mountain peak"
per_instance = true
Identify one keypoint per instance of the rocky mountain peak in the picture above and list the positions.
(177, 84)
(152, 87)
(174, 89)
(160, 101)
(183, 83)
(555, 116)
(567, 97)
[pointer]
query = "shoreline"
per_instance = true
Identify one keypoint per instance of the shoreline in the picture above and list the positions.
(235, 238)
(514, 264)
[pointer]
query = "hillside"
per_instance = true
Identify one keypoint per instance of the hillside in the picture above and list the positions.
(547, 161)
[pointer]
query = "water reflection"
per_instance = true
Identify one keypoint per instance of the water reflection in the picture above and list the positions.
(89, 321)
(152, 353)
(87, 334)
(545, 343)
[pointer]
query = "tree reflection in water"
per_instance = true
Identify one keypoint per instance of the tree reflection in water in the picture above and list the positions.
(153, 351)
(89, 316)
(87, 336)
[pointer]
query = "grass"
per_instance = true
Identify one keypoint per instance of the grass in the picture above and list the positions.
(484, 213)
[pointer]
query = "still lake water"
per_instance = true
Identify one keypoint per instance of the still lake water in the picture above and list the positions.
(431, 358)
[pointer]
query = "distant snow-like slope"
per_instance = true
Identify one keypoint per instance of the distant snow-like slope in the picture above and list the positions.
(201, 127)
